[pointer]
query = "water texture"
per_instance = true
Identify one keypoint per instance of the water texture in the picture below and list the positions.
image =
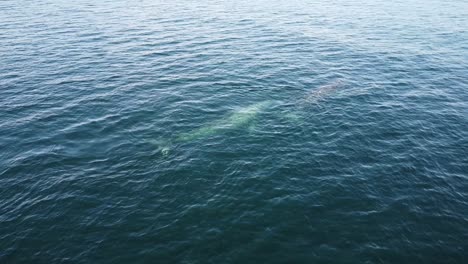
(233, 131)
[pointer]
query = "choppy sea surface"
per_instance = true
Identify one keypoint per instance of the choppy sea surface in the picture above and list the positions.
(234, 131)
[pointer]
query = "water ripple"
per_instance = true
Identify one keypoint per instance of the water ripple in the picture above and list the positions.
(207, 132)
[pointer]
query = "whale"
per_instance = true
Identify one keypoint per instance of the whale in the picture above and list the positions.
(242, 118)
(299, 108)
(316, 95)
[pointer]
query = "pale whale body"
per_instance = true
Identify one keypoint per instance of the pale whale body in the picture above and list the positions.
(245, 117)
(241, 118)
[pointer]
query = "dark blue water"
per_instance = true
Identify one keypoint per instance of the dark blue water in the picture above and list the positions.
(234, 131)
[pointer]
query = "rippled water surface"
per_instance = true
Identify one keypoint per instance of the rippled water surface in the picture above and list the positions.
(234, 131)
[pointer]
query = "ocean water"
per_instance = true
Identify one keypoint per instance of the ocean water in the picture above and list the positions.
(234, 131)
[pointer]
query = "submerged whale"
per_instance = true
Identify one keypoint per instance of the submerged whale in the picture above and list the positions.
(316, 95)
(245, 117)
(242, 118)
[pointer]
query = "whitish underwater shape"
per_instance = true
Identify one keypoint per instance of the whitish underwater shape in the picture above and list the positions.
(246, 117)
(243, 118)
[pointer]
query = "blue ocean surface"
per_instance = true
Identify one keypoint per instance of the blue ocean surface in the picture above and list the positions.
(222, 131)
